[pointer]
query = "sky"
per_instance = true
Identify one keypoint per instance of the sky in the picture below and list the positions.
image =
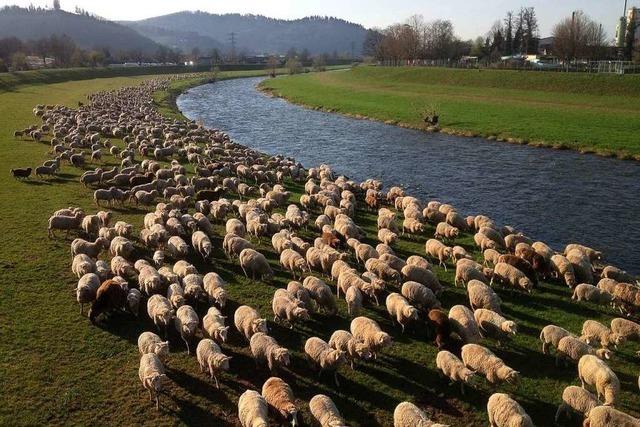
(471, 18)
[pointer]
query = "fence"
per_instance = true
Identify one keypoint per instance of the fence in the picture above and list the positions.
(609, 67)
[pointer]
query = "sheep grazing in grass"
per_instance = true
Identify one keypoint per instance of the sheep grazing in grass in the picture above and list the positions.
(111, 295)
(325, 411)
(213, 325)
(563, 269)
(253, 410)
(121, 246)
(420, 296)
(86, 289)
(594, 372)
(463, 323)
(19, 173)
(368, 331)
(294, 262)
(148, 342)
(211, 359)
(352, 347)
(571, 348)
(202, 244)
(215, 287)
(481, 360)
(575, 400)
(625, 329)
(440, 322)
(400, 310)
(521, 264)
(320, 292)
(287, 311)
(248, 322)
(267, 351)
(436, 249)
(160, 311)
(482, 296)
(407, 414)
(467, 270)
(353, 298)
(134, 297)
(503, 411)
(611, 272)
(281, 400)
(152, 376)
(254, 263)
(67, 223)
(551, 336)
(590, 253)
(447, 232)
(453, 368)
(382, 270)
(494, 325)
(581, 265)
(323, 357)
(415, 273)
(511, 276)
(587, 292)
(594, 331)
(387, 236)
(606, 416)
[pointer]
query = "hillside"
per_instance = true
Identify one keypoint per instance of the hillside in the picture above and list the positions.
(86, 31)
(183, 41)
(259, 34)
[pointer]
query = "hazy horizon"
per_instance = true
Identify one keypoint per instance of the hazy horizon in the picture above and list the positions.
(470, 19)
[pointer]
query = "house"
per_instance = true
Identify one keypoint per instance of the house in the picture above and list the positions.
(545, 46)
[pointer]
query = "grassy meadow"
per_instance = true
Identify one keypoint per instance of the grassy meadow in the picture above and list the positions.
(585, 112)
(56, 368)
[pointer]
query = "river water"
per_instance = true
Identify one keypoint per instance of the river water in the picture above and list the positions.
(555, 196)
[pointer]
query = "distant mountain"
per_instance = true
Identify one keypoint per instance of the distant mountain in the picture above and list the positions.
(183, 41)
(259, 34)
(88, 32)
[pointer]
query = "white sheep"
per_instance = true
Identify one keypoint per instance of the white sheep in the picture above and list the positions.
(325, 411)
(594, 372)
(420, 296)
(407, 414)
(175, 295)
(213, 325)
(68, 223)
(82, 264)
(247, 321)
(594, 331)
(253, 410)
(266, 350)
(606, 416)
(481, 360)
(503, 411)
(134, 297)
(86, 289)
(576, 399)
(352, 347)
(464, 324)
(121, 246)
(160, 311)
(202, 244)
(482, 296)
(287, 311)
(587, 292)
(177, 248)
(467, 270)
(494, 325)
(320, 292)
(369, 332)
(453, 368)
(510, 275)
(400, 310)
(353, 298)
(186, 323)
(551, 335)
(152, 376)
(92, 249)
(571, 348)
(215, 287)
(252, 261)
(294, 262)
(211, 359)
(148, 342)
(323, 357)
(625, 329)
(436, 249)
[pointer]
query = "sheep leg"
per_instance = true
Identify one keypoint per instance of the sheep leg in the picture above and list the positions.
(150, 395)
(545, 348)
(157, 401)
(81, 309)
(335, 377)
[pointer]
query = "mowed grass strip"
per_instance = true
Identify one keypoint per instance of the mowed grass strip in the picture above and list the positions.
(56, 368)
(588, 112)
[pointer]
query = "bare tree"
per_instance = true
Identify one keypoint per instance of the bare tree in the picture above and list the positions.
(579, 37)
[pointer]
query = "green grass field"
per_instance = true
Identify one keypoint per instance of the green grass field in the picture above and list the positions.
(56, 368)
(586, 112)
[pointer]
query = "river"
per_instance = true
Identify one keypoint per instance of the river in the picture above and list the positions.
(555, 196)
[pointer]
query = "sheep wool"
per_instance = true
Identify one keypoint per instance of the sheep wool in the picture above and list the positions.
(594, 372)
(551, 335)
(352, 348)
(400, 310)
(247, 321)
(266, 350)
(211, 359)
(503, 411)
(606, 416)
(213, 325)
(483, 361)
(482, 296)
(279, 396)
(186, 322)
(369, 332)
(321, 356)
(325, 411)
(494, 325)
(148, 342)
(253, 410)
(464, 324)
(152, 376)
(453, 368)
(576, 399)
(407, 414)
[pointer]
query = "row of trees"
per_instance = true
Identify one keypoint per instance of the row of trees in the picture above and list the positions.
(575, 37)
(414, 40)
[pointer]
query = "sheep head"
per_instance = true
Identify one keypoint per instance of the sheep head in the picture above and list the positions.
(383, 340)
(281, 355)
(509, 375)
(509, 326)
(603, 353)
(363, 351)
(162, 349)
(259, 325)
(300, 313)
(410, 312)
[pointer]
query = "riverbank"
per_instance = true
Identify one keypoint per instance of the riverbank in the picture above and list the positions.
(586, 113)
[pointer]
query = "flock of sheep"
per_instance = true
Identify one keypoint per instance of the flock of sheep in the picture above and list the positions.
(152, 267)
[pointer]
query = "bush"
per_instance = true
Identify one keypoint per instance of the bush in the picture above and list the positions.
(294, 66)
